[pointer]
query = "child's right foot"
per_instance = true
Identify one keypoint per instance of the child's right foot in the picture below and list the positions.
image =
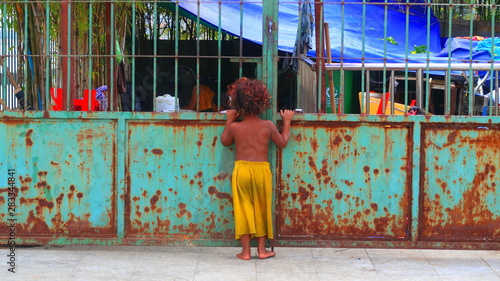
(266, 254)
(243, 257)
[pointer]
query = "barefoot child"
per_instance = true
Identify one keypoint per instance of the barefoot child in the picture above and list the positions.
(251, 180)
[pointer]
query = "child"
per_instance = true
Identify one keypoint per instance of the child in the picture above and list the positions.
(251, 179)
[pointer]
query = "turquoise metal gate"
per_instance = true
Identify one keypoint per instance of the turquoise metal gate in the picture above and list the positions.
(347, 181)
(163, 178)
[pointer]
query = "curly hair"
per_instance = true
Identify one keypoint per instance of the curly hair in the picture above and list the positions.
(250, 96)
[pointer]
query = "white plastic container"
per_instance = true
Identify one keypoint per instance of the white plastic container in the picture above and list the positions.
(166, 103)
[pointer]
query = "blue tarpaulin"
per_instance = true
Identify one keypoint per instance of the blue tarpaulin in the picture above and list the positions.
(378, 40)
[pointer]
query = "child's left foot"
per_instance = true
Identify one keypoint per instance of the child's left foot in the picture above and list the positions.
(266, 254)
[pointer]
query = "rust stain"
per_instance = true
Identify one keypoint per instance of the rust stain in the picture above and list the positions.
(146, 150)
(60, 198)
(221, 176)
(347, 138)
(154, 200)
(157, 151)
(183, 211)
(29, 142)
(470, 219)
(337, 140)
(214, 142)
(298, 138)
(314, 145)
(366, 169)
(212, 190)
(339, 195)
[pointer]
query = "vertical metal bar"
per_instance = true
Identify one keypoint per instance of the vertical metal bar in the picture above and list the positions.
(342, 73)
(112, 59)
(447, 90)
(492, 101)
(320, 57)
(133, 53)
(176, 50)
(197, 106)
(155, 51)
(367, 96)
(428, 41)
(89, 57)
(418, 86)
(270, 51)
(392, 78)
(298, 84)
(471, 73)
(47, 102)
(365, 87)
(407, 52)
(450, 17)
(240, 55)
(384, 71)
(67, 55)
(26, 58)
(496, 93)
(219, 56)
(3, 88)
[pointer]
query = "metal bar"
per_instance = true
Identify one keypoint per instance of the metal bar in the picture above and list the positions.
(47, 104)
(197, 105)
(112, 60)
(133, 55)
(26, 46)
(155, 52)
(414, 66)
(320, 58)
(89, 57)
(391, 90)
(367, 93)
(219, 57)
(418, 87)
(3, 87)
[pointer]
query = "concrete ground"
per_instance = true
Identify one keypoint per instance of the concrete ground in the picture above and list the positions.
(219, 263)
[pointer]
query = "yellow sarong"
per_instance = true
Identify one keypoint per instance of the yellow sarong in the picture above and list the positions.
(252, 195)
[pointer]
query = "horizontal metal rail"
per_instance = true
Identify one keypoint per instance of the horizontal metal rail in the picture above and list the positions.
(414, 66)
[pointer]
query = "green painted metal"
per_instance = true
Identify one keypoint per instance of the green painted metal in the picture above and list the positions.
(141, 178)
(350, 180)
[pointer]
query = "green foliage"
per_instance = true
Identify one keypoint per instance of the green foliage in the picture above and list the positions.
(466, 9)
(422, 49)
(391, 40)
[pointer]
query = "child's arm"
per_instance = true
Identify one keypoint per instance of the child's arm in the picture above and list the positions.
(281, 139)
(227, 137)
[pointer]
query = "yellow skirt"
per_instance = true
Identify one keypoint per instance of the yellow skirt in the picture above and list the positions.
(252, 195)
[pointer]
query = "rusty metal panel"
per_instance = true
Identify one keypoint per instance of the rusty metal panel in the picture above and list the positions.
(64, 174)
(345, 180)
(178, 181)
(459, 183)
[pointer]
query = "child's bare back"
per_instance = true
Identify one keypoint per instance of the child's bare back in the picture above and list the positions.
(252, 136)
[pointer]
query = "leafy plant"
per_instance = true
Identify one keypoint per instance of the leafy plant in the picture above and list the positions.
(391, 40)
(422, 49)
